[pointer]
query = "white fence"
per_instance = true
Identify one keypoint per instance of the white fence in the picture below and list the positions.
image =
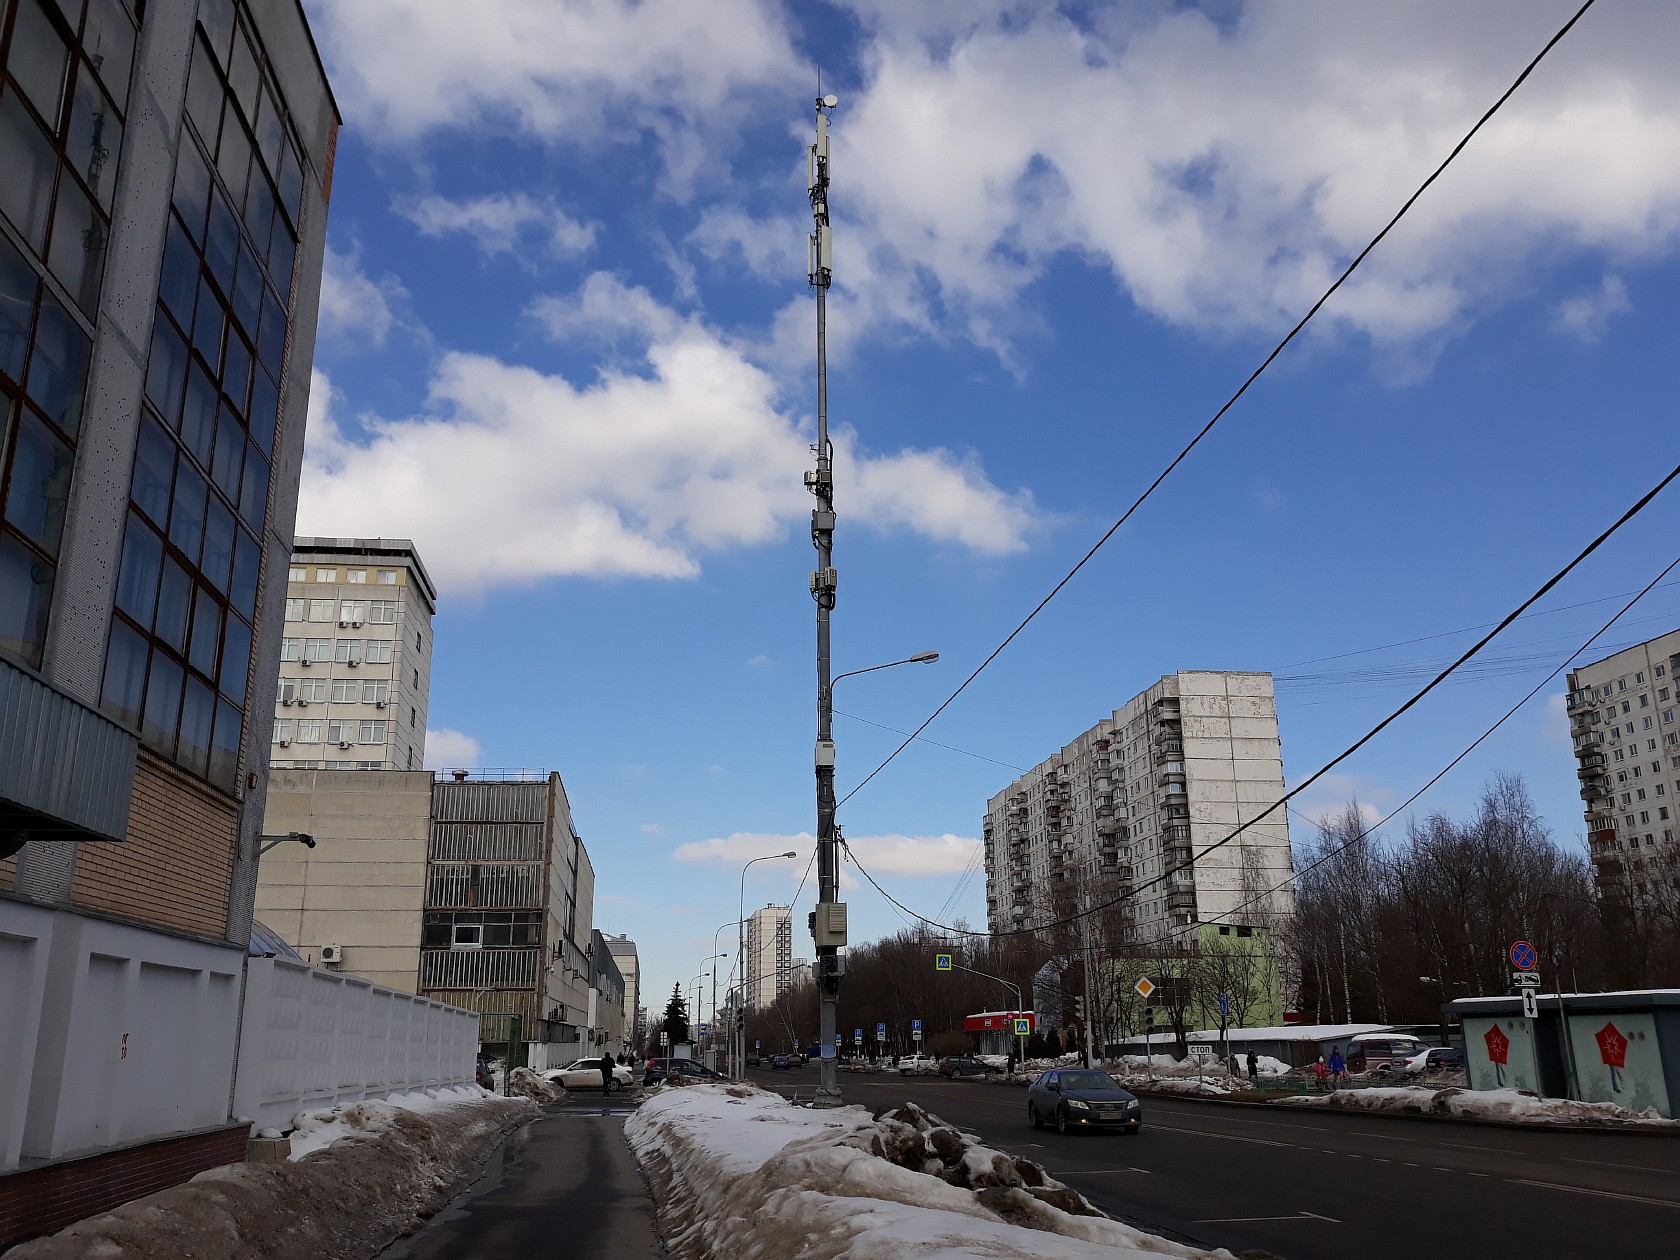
(315, 1038)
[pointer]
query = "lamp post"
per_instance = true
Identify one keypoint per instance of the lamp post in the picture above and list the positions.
(715, 936)
(268, 842)
(741, 955)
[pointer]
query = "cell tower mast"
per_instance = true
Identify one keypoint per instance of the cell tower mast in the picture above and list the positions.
(828, 921)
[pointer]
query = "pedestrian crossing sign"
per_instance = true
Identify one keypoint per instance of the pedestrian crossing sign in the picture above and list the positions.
(1023, 1027)
(942, 962)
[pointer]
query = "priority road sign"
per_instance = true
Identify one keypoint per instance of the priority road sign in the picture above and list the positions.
(942, 962)
(1526, 979)
(1145, 986)
(1524, 957)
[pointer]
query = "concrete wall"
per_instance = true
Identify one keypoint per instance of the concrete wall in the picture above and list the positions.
(362, 886)
(313, 1038)
(112, 1035)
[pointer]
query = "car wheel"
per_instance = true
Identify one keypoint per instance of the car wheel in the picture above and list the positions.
(951, 1075)
(614, 1085)
(1062, 1125)
(1032, 1115)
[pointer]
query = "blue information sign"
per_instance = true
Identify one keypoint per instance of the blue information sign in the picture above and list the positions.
(1224, 1003)
(880, 1032)
(915, 1025)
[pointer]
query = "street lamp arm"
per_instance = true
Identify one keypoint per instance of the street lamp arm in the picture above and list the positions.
(921, 658)
(986, 975)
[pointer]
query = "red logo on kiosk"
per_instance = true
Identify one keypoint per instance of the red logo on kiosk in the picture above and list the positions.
(1499, 1050)
(1612, 1048)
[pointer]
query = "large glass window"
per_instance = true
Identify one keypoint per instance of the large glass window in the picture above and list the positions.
(202, 478)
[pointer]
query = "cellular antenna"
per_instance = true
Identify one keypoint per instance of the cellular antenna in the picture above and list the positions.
(828, 921)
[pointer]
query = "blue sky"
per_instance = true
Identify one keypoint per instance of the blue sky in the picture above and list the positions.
(566, 345)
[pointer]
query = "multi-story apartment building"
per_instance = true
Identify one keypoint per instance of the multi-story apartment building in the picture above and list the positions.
(769, 955)
(1623, 717)
(1171, 772)
(623, 950)
(609, 1028)
(356, 657)
(163, 208)
(510, 895)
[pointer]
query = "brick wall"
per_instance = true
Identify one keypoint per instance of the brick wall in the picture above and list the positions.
(175, 866)
(42, 1200)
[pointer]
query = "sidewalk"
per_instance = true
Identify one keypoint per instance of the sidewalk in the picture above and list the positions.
(568, 1176)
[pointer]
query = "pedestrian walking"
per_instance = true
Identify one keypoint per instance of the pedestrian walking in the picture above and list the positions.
(606, 1073)
(1253, 1066)
(1337, 1064)
(1321, 1072)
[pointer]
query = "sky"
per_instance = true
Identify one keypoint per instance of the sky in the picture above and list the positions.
(567, 346)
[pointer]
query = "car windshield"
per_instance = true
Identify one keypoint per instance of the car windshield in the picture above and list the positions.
(1087, 1080)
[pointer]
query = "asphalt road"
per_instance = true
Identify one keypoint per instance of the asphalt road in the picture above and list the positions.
(1316, 1185)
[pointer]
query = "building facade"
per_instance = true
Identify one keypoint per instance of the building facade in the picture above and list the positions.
(163, 208)
(356, 657)
(623, 950)
(609, 1028)
(1131, 807)
(510, 896)
(1626, 731)
(769, 955)
(355, 901)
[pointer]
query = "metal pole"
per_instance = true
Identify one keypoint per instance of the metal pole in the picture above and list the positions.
(829, 916)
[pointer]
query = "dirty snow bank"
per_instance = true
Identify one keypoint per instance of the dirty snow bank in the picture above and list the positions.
(1518, 1106)
(366, 1174)
(738, 1171)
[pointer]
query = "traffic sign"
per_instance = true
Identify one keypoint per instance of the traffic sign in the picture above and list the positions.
(915, 1025)
(757, 1043)
(1524, 957)
(1526, 979)
(1145, 986)
(1023, 1027)
(1224, 1003)
(880, 1032)
(839, 1040)
(1531, 1004)
(857, 1035)
(942, 962)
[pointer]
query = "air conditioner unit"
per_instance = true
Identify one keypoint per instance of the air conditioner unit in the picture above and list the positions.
(352, 664)
(306, 663)
(380, 704)
(332, 953)
(285, 743)
(286, 700)
(344, 743)
(343, 625)
(303, 704)
(355, 625)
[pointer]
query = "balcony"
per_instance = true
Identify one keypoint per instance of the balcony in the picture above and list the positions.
(1170, 796)
(1595, 789)
(478, 968)
(1168, 749)
(1591, 767)
(1176, 833)
(1171, 772)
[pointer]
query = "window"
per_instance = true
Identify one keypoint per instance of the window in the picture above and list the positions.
(291, 649)
(346, 691)
(376, 691)
(387, 577)
(1647, 724)
(1638, 678)
(321, 609)
(317, 649)
(348, 651)
(297, 573)
(416, 679)
(1644, 701)
(341, 731)
(371, 733)
(416, 640)
(288, 689)
(382, 612)
(282, 729)
(309, 730)
(379, 651)
(413, 719)
(326, 575)
(353, 610)
(294, 610)
(313, 689)
(411, 758)
(1626, 705)
(1662, 694)
(355, 577)
(1621, 684)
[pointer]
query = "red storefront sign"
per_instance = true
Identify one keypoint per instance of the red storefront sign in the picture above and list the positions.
(997, 1021)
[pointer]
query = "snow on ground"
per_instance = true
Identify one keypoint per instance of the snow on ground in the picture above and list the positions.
(1210, 1086)
(1512, 1105)
(739, 1171)
(360, 1176)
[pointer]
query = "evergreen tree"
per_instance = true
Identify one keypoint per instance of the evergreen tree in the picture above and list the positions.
(675, 1022)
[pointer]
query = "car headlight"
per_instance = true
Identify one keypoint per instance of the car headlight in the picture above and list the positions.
(1077, 1105)
(1133, 1105)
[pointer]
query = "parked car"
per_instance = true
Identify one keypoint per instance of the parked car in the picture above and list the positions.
(752, 1058)
(916, 1064)
(1434, 1059)
(659, 1069)
(955, 1065)
(486, 1078)
(1381, 1052)
(586, 1074)
(1082, 1098)
(781, 1062)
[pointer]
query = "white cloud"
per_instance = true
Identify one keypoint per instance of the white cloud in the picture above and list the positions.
(652, 829)
(1329, 798)
(502, 223)
(449, 749)
(356, 311)
(1587, 316)
(512, 475)
(679, 71)
(883, 855)
(761, 661)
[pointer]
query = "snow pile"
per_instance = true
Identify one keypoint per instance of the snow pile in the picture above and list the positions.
(545, 1091)
(1210, 1086)
(1517, 1106)
(360, 1177)
(737, 1171)
(1140, 1062)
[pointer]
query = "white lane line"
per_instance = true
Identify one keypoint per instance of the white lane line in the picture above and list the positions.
(1229, 1137)
(1602, 1163)
(1244, 1220)
(1387, 1137)
(1602, 1194)
(1496, 1150)
(1087, 1172)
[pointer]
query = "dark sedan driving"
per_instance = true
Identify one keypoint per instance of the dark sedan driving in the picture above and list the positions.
(1079, 1098)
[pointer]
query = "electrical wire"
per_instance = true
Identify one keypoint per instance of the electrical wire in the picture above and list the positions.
(1232, 401)
(1637, 507)
(1470, 748)
(948, 747)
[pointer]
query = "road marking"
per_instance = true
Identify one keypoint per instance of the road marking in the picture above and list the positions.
(1229, 1137)
(1387, 1137)
(1087, 1172)
(1606, 1164)
(1603, 1194)
(1244, 1220)
(1497, 1150)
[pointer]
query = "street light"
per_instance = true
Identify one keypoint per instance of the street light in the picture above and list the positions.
(741, 957)
(829, 918)
(307, 841)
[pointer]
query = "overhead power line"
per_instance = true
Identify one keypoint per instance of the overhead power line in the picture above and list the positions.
(1232, 400)
(1638, 506)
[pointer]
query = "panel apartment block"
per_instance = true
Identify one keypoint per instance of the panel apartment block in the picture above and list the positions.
(1622, 717)
(356, 656)
(1170, 773)
(769, 955)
